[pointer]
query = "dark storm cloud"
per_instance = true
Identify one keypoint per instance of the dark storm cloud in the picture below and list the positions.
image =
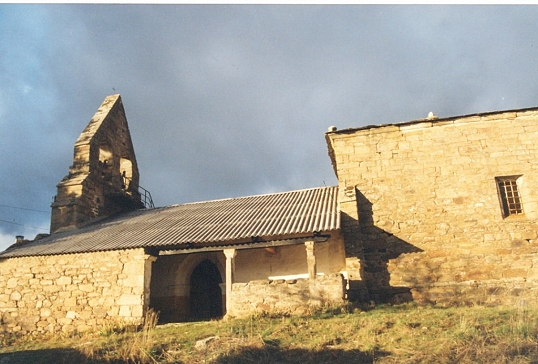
(225, 101)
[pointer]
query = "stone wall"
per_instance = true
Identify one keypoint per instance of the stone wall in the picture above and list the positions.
(282, 261)
(73, 292)
(429, 225)
(95, 186)
(295, 296)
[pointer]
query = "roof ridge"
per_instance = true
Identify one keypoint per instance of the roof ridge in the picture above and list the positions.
(265, 216)
(251, 196)
(435, 120)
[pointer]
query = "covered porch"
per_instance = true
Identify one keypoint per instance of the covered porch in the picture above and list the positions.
(285, 275)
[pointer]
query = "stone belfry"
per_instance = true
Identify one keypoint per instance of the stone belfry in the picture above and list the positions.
(103, 179)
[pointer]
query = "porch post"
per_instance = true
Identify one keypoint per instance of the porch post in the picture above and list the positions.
(148, 266)
(311, 259)
(230, 269)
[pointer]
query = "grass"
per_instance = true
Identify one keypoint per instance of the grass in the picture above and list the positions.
(390, 334)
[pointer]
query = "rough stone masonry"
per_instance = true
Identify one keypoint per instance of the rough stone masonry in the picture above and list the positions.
(73, 292)
(442, 210)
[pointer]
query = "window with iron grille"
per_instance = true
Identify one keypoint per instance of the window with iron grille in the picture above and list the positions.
(509, 195)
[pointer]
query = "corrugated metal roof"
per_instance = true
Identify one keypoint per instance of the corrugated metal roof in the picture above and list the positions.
(218, 222)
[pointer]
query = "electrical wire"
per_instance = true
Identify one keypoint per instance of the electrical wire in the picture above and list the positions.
(15, 223)
(22, 208)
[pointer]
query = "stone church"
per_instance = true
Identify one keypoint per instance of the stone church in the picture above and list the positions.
(437, 210)
(111, 255)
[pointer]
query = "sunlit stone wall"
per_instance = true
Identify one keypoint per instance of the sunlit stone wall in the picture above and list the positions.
(421, 208)
(103, 178)
(73, 292)
(293, 296)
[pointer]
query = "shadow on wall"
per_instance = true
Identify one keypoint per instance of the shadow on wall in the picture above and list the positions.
(375, 247)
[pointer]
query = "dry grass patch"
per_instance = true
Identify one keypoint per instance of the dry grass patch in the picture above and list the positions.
(392, 334)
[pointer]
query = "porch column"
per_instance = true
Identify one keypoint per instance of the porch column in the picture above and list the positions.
(311, 259)
(230, 269)
(148, 266)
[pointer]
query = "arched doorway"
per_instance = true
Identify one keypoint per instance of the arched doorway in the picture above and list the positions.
(205, 292)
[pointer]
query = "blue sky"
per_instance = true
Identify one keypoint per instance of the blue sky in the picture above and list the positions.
(226, 101)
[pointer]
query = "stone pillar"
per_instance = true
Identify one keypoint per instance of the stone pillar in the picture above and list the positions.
(230, 269)
(311, 259)
(223, 299)
(147, 279)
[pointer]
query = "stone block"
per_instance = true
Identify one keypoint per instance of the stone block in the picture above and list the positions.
(137, 311)
(12, 282)
(134, 280)
(63, 281)
(125, 311)
(99, 313)
(45, 312)
(51, 288)
(86, 287)
(129, 299)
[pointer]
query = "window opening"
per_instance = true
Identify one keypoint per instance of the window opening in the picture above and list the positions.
(509, 195)
(126, 171)
(105, 154)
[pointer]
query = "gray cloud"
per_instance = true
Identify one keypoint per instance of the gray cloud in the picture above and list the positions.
(226, 101)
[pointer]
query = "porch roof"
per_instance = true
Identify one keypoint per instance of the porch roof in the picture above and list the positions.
(211, 223)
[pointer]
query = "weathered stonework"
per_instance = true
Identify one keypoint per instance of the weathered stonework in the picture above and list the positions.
(73, 292)
(421, 218)
(426, 222)
(205, 259)
(103, 179)
(293, 296)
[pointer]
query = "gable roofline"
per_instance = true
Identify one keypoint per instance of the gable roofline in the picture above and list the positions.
(104, 178)
(434, 120)
(225, 222)
(431, 121)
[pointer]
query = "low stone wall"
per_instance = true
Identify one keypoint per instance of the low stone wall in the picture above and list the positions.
(295, 296)
(72, 292)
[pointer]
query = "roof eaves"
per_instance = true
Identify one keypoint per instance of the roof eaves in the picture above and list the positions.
(236, 219)
(431, 120)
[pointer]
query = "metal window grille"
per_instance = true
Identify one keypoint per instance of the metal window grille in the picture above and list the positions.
(509, 195)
